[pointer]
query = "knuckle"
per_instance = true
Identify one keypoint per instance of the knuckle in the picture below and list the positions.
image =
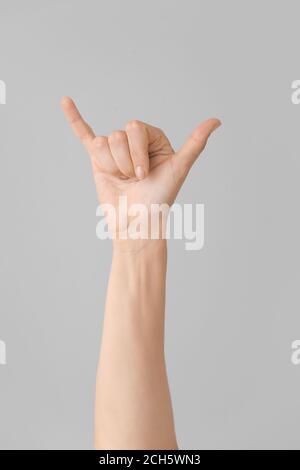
(134, 124)
(116, 136)
(100, 142)
(199, 137)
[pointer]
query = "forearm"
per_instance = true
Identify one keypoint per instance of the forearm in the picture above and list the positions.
(133, 406)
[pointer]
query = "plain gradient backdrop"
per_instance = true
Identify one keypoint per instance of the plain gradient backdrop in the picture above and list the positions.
(233, 307)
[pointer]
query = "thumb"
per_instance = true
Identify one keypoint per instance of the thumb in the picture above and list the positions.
(196, 143)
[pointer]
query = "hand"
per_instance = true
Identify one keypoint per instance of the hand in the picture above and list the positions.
(138, 162)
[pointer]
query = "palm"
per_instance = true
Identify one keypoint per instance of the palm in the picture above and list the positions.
(160, 186)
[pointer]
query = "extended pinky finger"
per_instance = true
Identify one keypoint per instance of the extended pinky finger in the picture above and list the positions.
(74, 118)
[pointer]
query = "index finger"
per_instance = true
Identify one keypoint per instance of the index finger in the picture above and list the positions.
(80, 128)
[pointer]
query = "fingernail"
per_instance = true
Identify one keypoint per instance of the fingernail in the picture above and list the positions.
(218, 124)
(140, 174)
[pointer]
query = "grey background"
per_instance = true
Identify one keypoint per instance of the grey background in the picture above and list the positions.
(232, 308)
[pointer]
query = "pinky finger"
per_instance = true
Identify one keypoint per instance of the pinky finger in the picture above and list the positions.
(80, 128)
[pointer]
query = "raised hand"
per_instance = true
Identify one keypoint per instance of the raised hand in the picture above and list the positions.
(138, 162)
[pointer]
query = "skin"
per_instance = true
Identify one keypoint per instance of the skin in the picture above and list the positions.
(133, 406)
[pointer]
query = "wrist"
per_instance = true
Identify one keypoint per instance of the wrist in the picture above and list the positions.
(139, 246)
